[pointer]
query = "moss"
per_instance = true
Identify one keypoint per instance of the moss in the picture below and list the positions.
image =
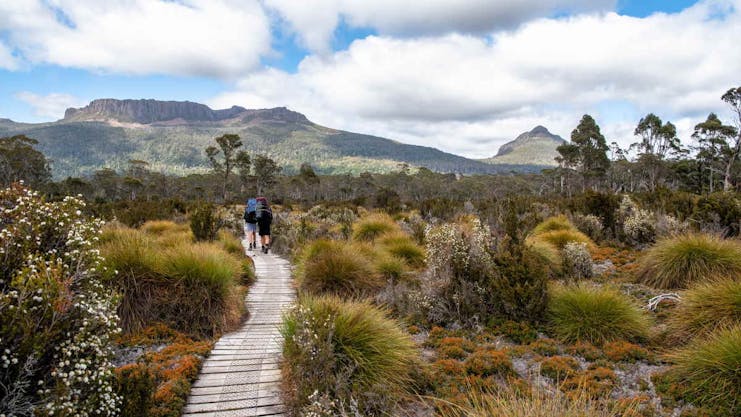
(559, 368)
(622, 351)
(586, 350)
(486, 362)
(545, 347)
(597, 381)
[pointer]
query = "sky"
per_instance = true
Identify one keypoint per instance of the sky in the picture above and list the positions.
(464, 76)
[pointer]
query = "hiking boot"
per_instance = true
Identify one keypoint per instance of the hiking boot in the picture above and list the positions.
(267, 248)
(263, 249)
(250, 248)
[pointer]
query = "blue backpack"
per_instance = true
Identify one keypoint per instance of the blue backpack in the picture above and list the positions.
(250, 211)
(251, 205)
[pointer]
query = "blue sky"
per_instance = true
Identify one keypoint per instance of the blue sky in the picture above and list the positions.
(475, 79)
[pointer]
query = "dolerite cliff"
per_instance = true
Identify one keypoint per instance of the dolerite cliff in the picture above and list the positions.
(155, 111)
(172, 137)
(537, 147)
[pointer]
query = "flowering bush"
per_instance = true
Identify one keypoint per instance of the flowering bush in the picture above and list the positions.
(577, 262)
(590, 225)
(57, 320)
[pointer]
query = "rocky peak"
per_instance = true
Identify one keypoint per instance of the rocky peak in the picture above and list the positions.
(539, 136)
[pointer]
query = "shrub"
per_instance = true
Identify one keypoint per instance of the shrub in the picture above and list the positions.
(706, 307)
(594, 314)
(57, 320)
(135, 384)
(559, 368)
(577, 262)
(590, 225)
(586, 350)
(545, 347)
(339, 268)
(683, 260)
(639, 227)
(373, 226)
(519, 285)
(624, 351)
(487, 362)
(204, 223)
(347, 350)
(597, 381)
(707, 371)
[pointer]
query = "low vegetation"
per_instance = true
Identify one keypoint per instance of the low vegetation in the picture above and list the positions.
(706, 307)
(584, 313)
(681, 261)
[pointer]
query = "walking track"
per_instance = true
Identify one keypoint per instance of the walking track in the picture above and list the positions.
(241, 377)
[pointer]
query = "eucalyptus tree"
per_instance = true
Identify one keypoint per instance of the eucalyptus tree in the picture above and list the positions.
(586, 153)
(658, 142)
(224, 158)
(732, 97)
(714, 150)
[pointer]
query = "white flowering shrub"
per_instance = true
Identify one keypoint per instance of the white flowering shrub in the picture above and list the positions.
(577, 262)
(669, 226)
(639, 227)
(589, 224)
(460, 268)
(57, 320)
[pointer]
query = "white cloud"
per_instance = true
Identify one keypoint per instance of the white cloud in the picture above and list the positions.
(218, 38)
(7, 60)
(50, 106)
(456, 91)
(315, 21)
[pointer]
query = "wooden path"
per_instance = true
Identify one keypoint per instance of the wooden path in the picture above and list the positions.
(241, 377)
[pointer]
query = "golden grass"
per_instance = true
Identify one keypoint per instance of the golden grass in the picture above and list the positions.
(706, 307)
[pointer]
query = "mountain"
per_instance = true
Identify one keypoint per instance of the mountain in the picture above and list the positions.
(172, 136)
(537, 147)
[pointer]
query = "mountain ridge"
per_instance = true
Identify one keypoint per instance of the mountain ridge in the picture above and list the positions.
(172, 136)
(536, 146)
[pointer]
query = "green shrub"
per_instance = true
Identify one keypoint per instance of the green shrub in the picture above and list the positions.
(684, 260)
(346, 350)
(339, 268)
(707, 371)
(204, 223)
(594, 314)
(706, 307)
(373, 226)
(722, 210)
(135, 384)
(520, 283)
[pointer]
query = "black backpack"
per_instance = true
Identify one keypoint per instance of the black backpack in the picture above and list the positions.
(263, 212)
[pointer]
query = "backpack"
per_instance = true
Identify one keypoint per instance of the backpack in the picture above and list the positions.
(251, 205)
(262, 210)
(250, 211)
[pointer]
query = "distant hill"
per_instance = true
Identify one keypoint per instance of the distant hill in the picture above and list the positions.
(172, 136)
(536, 147)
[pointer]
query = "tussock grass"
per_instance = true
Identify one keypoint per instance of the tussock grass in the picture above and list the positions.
(554, 223)
(349, 350)
(547, 252)
(230, 243)
(680, 261)
(402, 246)
(708, 371)
(579, 313)
(158, 227)
(559, 238)
(390, 267)
(508, 402)
(339, 268)
(191, 287)
(373, 226)
(706, 307)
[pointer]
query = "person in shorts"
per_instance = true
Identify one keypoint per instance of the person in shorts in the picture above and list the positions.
(264, 216)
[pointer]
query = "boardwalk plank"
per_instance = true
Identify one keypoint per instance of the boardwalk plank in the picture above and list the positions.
(241, 376)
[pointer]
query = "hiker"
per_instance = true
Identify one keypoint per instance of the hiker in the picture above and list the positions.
(264, 216)
(250, 221)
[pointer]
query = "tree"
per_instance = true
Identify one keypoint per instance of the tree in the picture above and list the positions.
(243, 163)
(228, 145)
(732, 97)
(266, 171)
(713, 150)
(19, 161)
(658, 141)
(587, 152)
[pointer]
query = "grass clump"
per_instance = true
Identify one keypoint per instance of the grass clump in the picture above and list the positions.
(595, 315)
(708, 371)
(158, 227)
(402, 246)
(706, 307)
(681, 261)
(559, 238)
(338, 268)
(373, 226)
(510, 402)
(553, 224)
(229, 242)
(346, 350)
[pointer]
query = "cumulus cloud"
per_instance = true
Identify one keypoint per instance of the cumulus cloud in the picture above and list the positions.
(316, 21)
(50, 106)
(7, 60)
(217, 38)
(456, 90)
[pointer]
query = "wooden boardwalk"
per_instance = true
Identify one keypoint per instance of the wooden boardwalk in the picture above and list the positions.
(241, 377)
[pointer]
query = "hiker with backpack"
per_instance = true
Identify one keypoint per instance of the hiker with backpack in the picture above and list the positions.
(264, 216)
(250, 220)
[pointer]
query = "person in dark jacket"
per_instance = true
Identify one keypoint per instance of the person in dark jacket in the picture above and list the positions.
(250, 221)
(264, 216)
